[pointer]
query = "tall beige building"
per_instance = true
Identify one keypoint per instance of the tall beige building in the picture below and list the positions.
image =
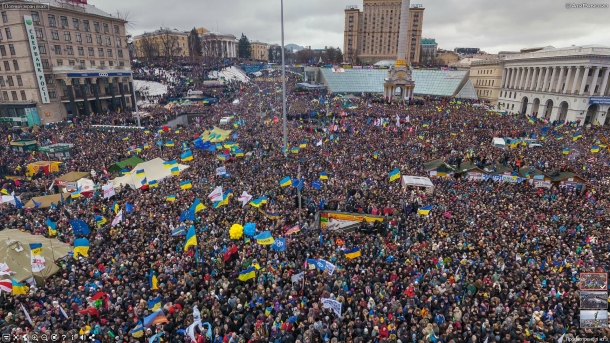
(371, 35)
(260, 50)
(486, 76)
(164, 42)
(61, 58)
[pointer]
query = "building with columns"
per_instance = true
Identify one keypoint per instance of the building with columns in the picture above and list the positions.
(558, 84)
(219, 45)
(68, 59)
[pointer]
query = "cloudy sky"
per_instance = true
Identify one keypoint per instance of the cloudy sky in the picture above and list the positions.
(489, 25)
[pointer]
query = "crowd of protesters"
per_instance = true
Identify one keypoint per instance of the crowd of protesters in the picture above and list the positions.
(491, 262)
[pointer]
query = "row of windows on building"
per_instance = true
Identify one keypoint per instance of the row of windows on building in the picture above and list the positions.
(484, 71)
(486, 83)
(484, 92)
(63, 20)
(14, 97)
(69, 49)
(107, 40)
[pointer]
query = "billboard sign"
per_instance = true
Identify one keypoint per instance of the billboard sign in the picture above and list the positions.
(42, 83)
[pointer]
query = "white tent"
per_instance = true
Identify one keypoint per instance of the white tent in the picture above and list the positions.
(153, 170)
(85, 185)
(417, 181)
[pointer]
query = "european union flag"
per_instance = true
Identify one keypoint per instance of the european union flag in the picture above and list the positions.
(316, 184)
(187, 215)
(128, 208)
(279, 244)
(79, 227)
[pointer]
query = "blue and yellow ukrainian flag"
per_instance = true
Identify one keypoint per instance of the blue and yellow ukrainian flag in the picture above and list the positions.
(239, 153)
(175, 171)
(169, 143)
(303, 145)
(186, 156)
(154, 282)
(258, 201)
(154, 304)
(323, 176)
(191, 238)
(425, 210)
(222, 157)
(146, 146)
(170, 198)
(52, 227)
(115, 207)
(153, 183)
(147, 131)
(421, 136)
(247, 274)
(394, 174)
(375, 155)
(167, 164)
(81, 246)
(140, 172)
(425, 124)
(125, 138)
(595, 148)
(18, 288)
(186, 184)
(352, 253)
(294, 150)
(285, 182)
(177, 131)
(566, 151)
(36, 248)
(197, 206)
(75, 195)
(559, 137)
(99, 220)
(576, 136)
(225, 199)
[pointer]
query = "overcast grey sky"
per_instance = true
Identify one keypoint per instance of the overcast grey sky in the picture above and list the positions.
(487, 24)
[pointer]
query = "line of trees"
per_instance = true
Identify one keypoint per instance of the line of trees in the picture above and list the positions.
(161, 43)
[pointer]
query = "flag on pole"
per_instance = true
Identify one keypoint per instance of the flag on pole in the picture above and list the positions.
(118, 218)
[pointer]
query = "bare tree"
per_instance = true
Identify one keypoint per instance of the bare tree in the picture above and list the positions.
(169, 44)
(148, 48)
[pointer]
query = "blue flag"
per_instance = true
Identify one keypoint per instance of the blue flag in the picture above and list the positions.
(36, 203)
(316, 184)
(79, 227)
(187, 215)
(179, 231)
(279, 244)
(128, 208)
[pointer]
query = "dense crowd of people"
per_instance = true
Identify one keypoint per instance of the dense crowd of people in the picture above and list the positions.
(492, 261)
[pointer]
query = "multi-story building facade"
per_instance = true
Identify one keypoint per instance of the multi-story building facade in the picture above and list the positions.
(164, 42)
(485, 76)
(260, 51)
(559, 84)
(427, 53)
(371, 35)
(61, 58)
(219, 45)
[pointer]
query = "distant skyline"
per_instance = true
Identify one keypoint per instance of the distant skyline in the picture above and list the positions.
(491, 26)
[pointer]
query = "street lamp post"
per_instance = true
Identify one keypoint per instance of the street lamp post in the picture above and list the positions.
(284, 85)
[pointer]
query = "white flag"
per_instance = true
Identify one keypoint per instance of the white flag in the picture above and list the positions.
(221, 170)
(408, 119)
(108, 190)
(38, 263)
(118, 218)
(27, 315)
(196, 314)
(216, 194)
(486, 339)
(297, 277)
(190, 331)
(397, 120)
(4, 269)
(560, 340)
(245, 198)
(319, 143)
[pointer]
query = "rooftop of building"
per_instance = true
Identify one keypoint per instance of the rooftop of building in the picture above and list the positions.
(218, 34)
(162, 31)
(430, 41)
(427, 82)
(550, 51)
